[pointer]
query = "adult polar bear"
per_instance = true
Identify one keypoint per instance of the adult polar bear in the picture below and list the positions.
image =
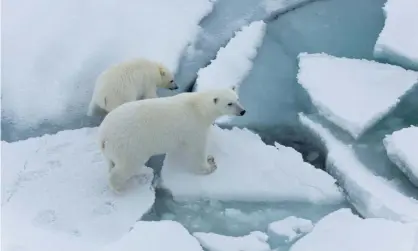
(129, 81)
(135, 131)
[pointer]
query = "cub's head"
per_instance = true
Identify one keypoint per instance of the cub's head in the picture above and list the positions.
(226, 102)
(167, 79)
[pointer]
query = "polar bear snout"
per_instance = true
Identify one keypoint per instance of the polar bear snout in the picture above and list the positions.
(173, 85)
(240, 111)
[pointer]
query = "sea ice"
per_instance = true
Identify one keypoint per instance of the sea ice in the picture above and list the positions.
(249, 170)
(255, 241)
(55, 189)
(398, 41)
(354, 94)
(71, 42)
(290, 228)
(270, 92)
(232, 62)
(401, 147)
(370, 194)
(220, 25)
(156, 236)
(344, 231)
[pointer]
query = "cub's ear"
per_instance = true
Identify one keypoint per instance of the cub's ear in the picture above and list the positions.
(215, 100)
(162, 70)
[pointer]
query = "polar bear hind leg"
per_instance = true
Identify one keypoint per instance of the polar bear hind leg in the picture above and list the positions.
(123, 171)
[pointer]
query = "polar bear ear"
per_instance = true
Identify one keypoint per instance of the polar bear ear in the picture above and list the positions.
(162, 70)
(215, 100)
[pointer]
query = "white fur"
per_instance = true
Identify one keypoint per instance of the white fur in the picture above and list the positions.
(128, 81)
(135, 131)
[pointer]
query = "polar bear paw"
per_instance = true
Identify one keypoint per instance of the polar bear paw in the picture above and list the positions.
(209, 167)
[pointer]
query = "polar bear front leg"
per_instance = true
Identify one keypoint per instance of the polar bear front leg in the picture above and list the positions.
(204, 164)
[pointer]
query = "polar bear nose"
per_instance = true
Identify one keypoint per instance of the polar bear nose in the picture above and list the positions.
(174, 86)
(242, 112)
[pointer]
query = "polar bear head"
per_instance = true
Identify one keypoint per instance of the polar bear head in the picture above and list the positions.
(226, 102)
(167, 79)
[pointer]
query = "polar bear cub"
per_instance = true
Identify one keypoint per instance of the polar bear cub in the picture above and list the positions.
(135, 131)
(128, 81)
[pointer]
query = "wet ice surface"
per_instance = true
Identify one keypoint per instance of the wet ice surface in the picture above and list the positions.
(344, 231)
(55, 194)
(398, 41)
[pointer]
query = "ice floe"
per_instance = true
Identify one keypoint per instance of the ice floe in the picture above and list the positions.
(402, 148)
(56, 193)
(249, 170)
(234, 61)
(290, 228)
(344, 231)
(156, 236)
(398, 41)
(371, 195)
(255, 241)
(354, 94)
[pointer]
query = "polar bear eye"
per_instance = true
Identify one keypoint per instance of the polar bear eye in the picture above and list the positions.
(171, 81)
(229, 104)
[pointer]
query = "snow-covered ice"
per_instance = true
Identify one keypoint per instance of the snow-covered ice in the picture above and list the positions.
(156, 236)
(249, 170)
(55, 192)
(344, 231)
(354, 94)
(72, 41)
(401, 147)
(290, 228)
(255, 241)
(398, 41)
(371, 195)
(233, 62)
